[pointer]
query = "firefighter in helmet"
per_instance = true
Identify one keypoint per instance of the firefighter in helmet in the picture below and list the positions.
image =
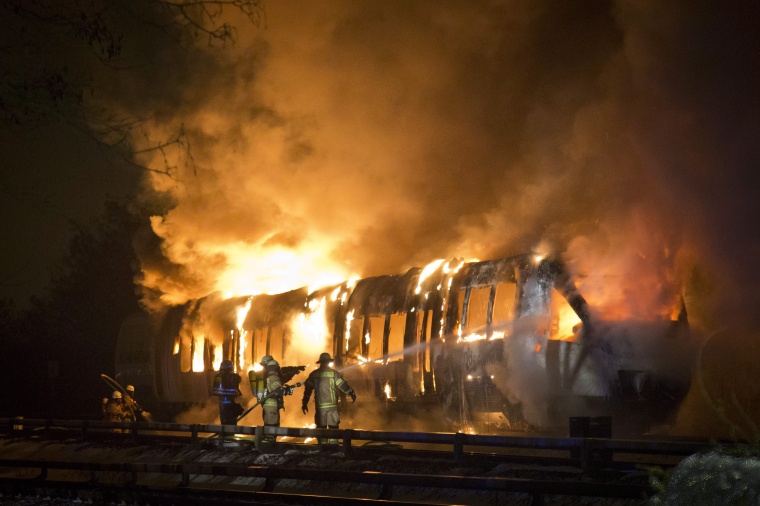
(227, 389)
(273, 392)
(131, 403)
(326, 382)
(116, 411)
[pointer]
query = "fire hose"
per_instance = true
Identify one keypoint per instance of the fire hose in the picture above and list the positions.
(131, 403)
(283, 390)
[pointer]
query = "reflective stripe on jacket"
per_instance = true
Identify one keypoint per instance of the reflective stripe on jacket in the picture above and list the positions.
(273, 382)
(226, 386)
(325, 383)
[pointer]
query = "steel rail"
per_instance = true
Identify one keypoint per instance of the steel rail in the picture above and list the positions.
(457, 441)
(384, 479)
(592, 455)
(104, 494)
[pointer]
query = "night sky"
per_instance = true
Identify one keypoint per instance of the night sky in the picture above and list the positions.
(343, 137)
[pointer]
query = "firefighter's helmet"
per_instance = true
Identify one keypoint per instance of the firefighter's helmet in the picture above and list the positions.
(324, 357)
(266, 359)
(226, 365)
(130, 389)
(116, 395)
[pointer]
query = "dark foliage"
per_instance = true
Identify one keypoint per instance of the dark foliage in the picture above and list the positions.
(56, 350)
(82, 63)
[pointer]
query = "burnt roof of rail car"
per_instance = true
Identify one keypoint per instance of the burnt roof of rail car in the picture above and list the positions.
(272, 310)
(325, 291)
(508, 270)
(492, 272)
(382, 294)
(432, 282)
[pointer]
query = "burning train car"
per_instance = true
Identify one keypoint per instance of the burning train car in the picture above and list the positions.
(498, 344)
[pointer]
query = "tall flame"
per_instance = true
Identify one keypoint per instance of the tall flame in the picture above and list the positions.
(199, 342)
(426, 272)
(310, 332)
(217, 361)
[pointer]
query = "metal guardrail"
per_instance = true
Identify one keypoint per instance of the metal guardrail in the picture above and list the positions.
(589, 450)
(589, 453)
(385, 479)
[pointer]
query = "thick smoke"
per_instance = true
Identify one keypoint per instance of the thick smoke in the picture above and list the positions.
(371, 137)
(367, 137)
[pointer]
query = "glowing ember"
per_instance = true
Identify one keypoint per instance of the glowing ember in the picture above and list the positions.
(311, 426)
(476, 336)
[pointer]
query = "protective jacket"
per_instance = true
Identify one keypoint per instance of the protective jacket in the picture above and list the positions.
(116, 411)
(325, 382)
(272, 383)
(226, 386)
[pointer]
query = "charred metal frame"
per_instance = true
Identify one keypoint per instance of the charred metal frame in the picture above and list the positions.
(432, 336)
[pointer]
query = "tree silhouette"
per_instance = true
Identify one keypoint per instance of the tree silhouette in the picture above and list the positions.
(61, 57)
(57, 349)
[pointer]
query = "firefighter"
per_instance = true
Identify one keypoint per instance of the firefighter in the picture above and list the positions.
(132, 404)
(326, 382)
(116, 411)
(273, 403)
(227, 388)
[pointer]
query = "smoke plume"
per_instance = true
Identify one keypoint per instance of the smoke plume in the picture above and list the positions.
(361, 138)
(367, 137)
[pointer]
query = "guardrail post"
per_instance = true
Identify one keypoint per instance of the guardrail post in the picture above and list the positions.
(185, 481)
(221, 436)
(194, 431)
(257, 437)
(386, 492)
(459, 447)
(587, 454)
(347, 436)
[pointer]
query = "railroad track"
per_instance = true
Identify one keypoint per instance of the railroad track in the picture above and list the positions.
(184, 464)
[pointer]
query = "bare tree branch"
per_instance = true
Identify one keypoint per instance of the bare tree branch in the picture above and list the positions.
(46, 78)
